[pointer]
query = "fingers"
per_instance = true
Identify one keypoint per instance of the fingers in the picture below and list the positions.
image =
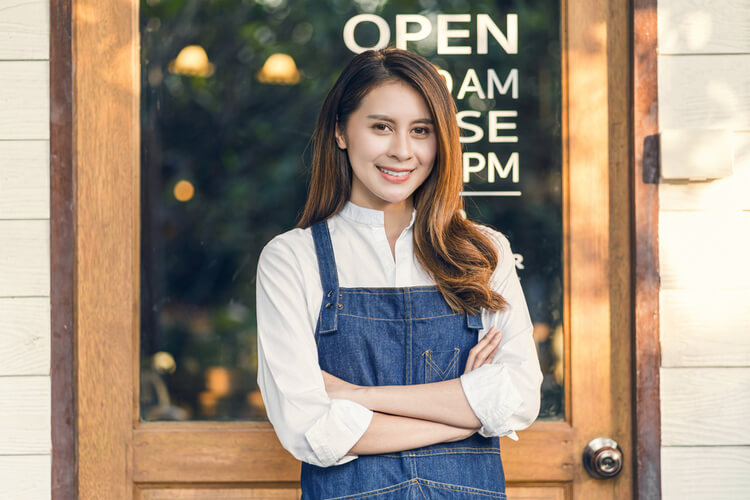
(484, 350)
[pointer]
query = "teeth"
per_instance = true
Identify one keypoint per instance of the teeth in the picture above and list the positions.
(391, 172)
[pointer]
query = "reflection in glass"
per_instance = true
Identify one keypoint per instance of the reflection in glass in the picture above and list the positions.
(230, 93)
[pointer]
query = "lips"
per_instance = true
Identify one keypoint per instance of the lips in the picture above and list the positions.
(395, 171)
(395, 176)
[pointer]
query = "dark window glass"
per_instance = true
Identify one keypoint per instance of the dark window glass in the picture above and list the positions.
(230, 93)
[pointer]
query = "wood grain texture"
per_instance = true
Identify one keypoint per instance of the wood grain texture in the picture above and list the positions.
(647, 425)
(106, 151)
(25, 336)
(25, 477)
(237, 452)
(537, 492)
(597, 130)
(704, 250)
(24, 180)
(24, 258)
(62, 254)
(705, 406)
(704, 26)
(24, 107)
(25, 416)
(704, 327)
(218, 493)
(706, 473)
(24, 29)
(730, 193)
(704, 92)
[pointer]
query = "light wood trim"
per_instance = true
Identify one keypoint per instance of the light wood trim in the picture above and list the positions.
(106, 153)
(218, 493)
(237, 452)
(598, 238)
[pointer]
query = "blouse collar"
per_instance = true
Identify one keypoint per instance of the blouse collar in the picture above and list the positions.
(369, 216)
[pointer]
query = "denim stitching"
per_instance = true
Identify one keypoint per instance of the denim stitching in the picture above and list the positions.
(463, 489)
(379, 491)
(397, 319)
(440, 373)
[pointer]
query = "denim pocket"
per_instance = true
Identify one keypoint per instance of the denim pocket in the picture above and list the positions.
(440, 365)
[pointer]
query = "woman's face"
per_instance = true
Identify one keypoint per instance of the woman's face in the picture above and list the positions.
(391, 143)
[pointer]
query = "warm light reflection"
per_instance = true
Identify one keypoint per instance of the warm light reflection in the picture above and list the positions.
(218, 381)
(184, 190)
(255, 399)
(163, 362)
(279, 69)
(192, 61)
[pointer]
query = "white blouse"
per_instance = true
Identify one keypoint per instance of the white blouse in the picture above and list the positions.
(504, 394)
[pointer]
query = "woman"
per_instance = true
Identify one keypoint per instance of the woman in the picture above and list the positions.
(379, 314)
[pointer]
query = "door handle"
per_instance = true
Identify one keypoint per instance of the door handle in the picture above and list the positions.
(602, 458)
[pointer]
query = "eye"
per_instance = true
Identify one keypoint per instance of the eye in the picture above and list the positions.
(422, 130)
(380, 126)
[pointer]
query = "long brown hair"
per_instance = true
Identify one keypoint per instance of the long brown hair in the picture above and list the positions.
(456, 252)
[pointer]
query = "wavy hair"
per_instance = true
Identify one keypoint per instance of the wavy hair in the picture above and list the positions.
(458, 253)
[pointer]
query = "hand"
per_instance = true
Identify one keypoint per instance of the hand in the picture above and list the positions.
(484, 351)
(338, 388)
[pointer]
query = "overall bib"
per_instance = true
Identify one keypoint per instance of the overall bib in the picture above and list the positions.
(398, 336)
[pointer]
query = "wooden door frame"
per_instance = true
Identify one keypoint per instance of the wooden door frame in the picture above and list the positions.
(87, 441)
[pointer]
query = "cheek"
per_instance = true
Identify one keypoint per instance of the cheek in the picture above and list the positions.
(427, 151)
(367, 146)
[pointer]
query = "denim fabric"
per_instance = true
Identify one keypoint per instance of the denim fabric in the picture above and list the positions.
(398, 336)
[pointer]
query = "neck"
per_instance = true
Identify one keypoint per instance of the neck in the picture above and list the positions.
(398, 214)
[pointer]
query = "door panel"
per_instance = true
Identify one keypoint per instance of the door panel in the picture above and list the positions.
(243, 459)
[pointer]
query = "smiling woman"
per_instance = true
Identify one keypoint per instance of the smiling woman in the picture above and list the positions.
(360, 376)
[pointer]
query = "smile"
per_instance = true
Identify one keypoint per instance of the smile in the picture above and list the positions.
(394, 173)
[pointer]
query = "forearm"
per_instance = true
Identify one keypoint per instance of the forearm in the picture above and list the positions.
(441, 402)
(392, 433)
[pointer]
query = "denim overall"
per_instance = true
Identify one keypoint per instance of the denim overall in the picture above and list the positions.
(398, 336)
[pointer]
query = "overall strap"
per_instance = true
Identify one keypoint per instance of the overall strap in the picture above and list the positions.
(328, 277)
(474, 320)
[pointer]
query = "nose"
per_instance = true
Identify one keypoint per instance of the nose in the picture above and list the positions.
(400, 146)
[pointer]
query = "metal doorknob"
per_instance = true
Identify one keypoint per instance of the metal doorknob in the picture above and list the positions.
(602, 458)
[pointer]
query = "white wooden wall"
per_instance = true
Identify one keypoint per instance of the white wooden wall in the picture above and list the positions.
(25, 440)
(704, 246)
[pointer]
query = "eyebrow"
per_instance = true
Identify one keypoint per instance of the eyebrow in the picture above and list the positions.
(387, 119)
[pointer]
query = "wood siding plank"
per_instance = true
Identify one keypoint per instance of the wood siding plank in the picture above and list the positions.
(704, 92)
(730, 193)
(24, 29)
(24, 180)
(705, 406)
(25, 417)
(25, 337)
(24, 258)
(24, 100)
(705, 328)
(25, 477)
(693, 154)
(703, 250)
(704, 26)
(705, 473)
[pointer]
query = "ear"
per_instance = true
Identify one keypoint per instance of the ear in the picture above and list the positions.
(340, 140)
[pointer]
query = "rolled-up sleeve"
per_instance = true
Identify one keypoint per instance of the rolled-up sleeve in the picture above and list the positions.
(505, 394)
(313, 427)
